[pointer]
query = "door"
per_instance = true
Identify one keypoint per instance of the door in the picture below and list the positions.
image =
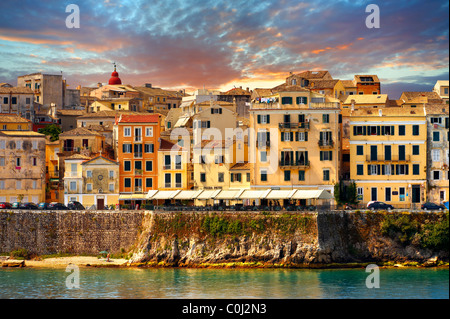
(401, 152)
(388, 194)
(374, 194)
(100, 203)
(387, 152)
(373, 153)
(415, 193)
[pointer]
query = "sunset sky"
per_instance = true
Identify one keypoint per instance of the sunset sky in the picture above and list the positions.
(220, 44)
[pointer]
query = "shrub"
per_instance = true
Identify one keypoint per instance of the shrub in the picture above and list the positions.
(436, 236)
(400, 228)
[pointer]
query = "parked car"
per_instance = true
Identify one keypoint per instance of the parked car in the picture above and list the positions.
(380, 205)
(432, 206)
(57, 206)
(15, 205)
(75, 206)
(43, 205)
(28, 206)
(5, 205)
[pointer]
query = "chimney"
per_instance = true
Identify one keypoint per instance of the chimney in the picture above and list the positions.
(148, 85)
(248, 89)
(99, 84)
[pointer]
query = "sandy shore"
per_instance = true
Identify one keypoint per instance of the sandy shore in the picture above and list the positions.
(80, 261)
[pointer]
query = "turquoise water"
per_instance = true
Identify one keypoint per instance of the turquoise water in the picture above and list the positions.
(21, 283)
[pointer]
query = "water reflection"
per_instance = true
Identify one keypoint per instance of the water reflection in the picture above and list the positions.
(138, 283)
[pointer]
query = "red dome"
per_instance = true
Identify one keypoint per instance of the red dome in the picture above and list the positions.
(114, 80)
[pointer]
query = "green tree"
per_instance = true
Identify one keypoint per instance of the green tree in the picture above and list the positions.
(52, 130)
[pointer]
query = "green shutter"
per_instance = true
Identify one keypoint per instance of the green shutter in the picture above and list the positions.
(259, 119)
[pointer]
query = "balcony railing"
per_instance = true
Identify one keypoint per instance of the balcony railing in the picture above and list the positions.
(167, 166)
(326, 143)
(178, 185)
(137, 154)
(263, 144)
(138, 172)
(293, 163)
(293, 126)
(138, 138)
(382, 158)
(167, 185)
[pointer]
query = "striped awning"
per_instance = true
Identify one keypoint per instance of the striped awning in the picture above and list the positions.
(281, 194)
(125, 197)
(138, 196)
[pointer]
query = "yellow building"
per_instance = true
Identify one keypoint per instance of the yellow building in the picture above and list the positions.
(73, 178)
(117, 104)
(388, 154)
(295, 140)
(172, 166)
(22, 166)
(14, 122)
(52, 189)
(441, 88)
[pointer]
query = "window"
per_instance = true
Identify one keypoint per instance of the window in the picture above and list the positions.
(415, 150)
(372, 169)
(126, 148)
(178, 182)
(219, 159)
(127, 182)
(359, 169)
(286, 100)
(34, 161)
(301, 136)
(326, 175)
(401, 192)
(2, 161)
(325, 118)
(5, 100)
(111, 187)
(301, 175)
(18, 162)
(89, 187)
(435, 120)
(436, 155)
(436, 175)
(137, 134)
(220, 177)
(263, 156)
(302, 100)
(248, 177)
(18, 184)
(149, 166)
(415, 130)
(386, 169)
(138, 165)
(111, 174)
(402, 169)
(149, 148)
(2, 184)
(127, 166)
(326, 155)
(18, 145)
(138, 184)
(287, 137)
(263, 176)
(127, 131)
(263, 119)
(89, 174)
(359, 150)
(287, 176)
(149, 182)
(401, 130)
(387, 194)
(202, 177)
(436, 136)
(416, 169)
(73, 185)
(2, 144)
(149, 131)
(34, 145)
(167, 162)
(360, 193)
(137, 150)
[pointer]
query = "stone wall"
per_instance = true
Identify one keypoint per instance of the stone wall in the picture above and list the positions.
(75, 232)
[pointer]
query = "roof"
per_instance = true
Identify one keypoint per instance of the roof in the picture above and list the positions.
(262, 92)
(158, 91)
(436, 109)
(106, 113)
(442, 82)
(71, 112)
(312, 74)
(404, 111)
(429, 95)
(322, 84)
(12, 118)
(394, 103)
(22, 133)
(236, 91)
(289, 88)
(373, 76)
(241, 166)
(16, 90)
(79, 131)
(165, 145)
(77, 157)
(348, 83)
(139, 118)
(367, 99)
(210, 144)
(98, 157)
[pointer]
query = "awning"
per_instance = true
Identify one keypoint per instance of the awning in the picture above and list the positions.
(182, 122)
(229, 194)
(125, 197)
(138, 196)
(186, 103)
(281, 194)
(185, 195)
(151, 193)
(312, 194)
(165, 194)
(208, 194)
(254, 194)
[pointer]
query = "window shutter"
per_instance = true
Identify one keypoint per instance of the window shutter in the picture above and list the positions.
(124, 149)
(407, 169)
(378, 169)
(296, 136)
(364, 130)
(306, 157)
(354, 130)
(209, 124)
(212, 111)
(231, 177)
(291, 136)
(259, 119)
(306, 136)
(321, 155)
(268, 118)
(331, 155)
(282, 136)
(392, 130)
(220, 111)
(368, 169)
(378, 130)
(383, 170)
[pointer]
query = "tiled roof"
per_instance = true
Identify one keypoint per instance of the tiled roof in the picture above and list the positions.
(322, 84)
(16, 90)
(289, 88)
(367, 99)
(359, 76)
(436, 109)
(97, 157)
(405, 112)
(236, 91)
(71, 112)
(262, 92)
(165, 145)
(139, 118)
(428, 95)
(12, 118)
(210, 144)
(348, 83)
(106, 113)
(312, 74)
(77, 157)
(241, 166)
(80, 131)
(22, 133)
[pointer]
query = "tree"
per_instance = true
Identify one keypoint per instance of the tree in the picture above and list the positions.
(345, 194)
(52, 130)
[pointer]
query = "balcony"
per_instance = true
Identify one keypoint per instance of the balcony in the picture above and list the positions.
(382, 158)
(178, 185)
(326, 143)
(263, 144)
(138, 172)
(167, 185)
(294, 126)
(168, 166)
(137, 154)
(294, 163)
(138, 138)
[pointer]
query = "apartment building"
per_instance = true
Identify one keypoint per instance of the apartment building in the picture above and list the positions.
(17, 100)
(173, 162)
(441, 88)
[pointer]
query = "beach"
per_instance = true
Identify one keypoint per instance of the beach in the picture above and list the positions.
(81, 261)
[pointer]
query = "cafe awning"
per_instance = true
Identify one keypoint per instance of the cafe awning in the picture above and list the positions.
(165, 194)
(138, 196)
(187, 195)
(254, 194)
(281, 194)
(208, 194)
(125, 197)
(151, 193)
(312, 194)
(229, 194)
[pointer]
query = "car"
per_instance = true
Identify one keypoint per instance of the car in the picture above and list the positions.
(57, 206)
(31, 206)
(432, 206)
(380, 205)
(15, 205)
(43, 205)
(5, 205)
(75, 206)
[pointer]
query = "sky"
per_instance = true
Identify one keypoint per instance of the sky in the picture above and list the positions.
(190, 44)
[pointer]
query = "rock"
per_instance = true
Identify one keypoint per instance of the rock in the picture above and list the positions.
(13, 263)
(431, 262)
